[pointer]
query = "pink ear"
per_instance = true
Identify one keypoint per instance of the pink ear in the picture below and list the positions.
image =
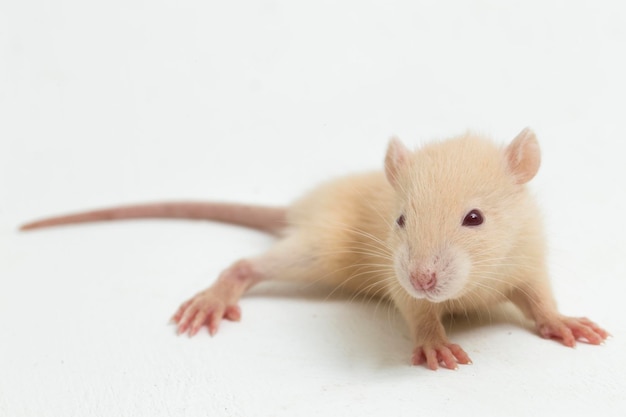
(397, 157)
(523, 156)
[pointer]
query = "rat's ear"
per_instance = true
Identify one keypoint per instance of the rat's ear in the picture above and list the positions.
(397, 157)
(523, 156)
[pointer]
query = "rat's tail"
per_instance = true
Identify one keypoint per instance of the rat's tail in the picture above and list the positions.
(267, 219)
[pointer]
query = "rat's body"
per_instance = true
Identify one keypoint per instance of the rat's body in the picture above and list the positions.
(447, 229)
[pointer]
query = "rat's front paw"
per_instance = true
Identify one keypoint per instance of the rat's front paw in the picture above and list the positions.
(448, 355)
(570, 329)
(207, 307)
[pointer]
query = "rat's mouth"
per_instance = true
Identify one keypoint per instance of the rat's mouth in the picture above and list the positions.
(435, 294)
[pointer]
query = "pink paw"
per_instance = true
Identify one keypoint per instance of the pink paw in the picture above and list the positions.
(204, 308)
(570, 329)
(448, 355)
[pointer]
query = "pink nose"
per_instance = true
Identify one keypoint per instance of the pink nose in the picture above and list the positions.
(424, 281)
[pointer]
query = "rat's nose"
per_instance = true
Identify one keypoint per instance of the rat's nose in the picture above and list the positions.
(424, 280)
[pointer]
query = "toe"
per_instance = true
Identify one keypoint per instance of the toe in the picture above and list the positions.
(214, 321)
(185, 319)
(558, 330)
(418, 356)
(588, 333)
(179, 313)
(198, 321)
(431, 358)
(447, 358)
(461, 357)
(233, 313)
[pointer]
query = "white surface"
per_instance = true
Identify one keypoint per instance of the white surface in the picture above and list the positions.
(123, 101)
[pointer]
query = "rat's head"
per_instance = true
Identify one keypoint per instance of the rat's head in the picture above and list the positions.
(460, 207)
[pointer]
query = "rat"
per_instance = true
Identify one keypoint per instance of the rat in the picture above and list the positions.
(446, 229)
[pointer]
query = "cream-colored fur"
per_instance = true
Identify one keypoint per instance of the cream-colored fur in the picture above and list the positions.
(345, 234)
(400, 234)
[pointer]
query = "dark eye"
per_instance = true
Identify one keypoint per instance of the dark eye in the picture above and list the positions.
(473, 218)
(400, 221)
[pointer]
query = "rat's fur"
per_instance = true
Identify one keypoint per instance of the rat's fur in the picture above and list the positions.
(347, 233)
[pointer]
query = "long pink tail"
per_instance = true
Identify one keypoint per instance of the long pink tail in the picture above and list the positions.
(267, 219)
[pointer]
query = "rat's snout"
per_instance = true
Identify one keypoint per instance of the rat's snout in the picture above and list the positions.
(423, 280)
(437, 277)
(436, 273)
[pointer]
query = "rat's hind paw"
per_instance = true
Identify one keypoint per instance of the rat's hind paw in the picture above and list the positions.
(570, 329)
(449, 355)
(207, 308)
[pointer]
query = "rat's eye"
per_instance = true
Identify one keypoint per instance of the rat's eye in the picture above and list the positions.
(473, 218)
(400, 221)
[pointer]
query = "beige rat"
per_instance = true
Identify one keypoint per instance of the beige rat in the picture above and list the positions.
(447, 229)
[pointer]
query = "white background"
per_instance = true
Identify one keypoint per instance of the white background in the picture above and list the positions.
(121, 101)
